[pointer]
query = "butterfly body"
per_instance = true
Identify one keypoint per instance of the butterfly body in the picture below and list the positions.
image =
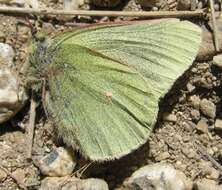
(104, 82)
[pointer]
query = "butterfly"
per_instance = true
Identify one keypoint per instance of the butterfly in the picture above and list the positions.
(104, 82)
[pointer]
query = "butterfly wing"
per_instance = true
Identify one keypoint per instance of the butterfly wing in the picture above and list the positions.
(109, 80)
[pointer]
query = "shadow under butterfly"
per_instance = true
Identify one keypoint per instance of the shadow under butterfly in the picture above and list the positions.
(104, 82)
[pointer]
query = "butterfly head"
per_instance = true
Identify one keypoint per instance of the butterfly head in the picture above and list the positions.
(33, 72)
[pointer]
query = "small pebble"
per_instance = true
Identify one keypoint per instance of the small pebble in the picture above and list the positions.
(59, 162)
(200, 5)
(71, 183)
(6, 54)
(154, 9)
(19, 174)
(210, 151)
(169, 117)
(205, 167)
(213, 174)
(32, 4)
(3, 175)
(163, 156)
(195, 114)
(178, 163)
(19, 3)
(70, 5)
(208, 108)
(48, 28)
(217, 60)
(202, 126)
(191, 154)
(2, 36)
(150, 3)
(193, 5)
(189, 126)
(106, 3)
(185, 151)
(11, 99)
(218, 124)
(216, 7)
(207, 184)
(194, 70)
(195, 101)
(150, 177)
(203, 66)
(215, 149)
(23, 30)
(183, 4)
(186, 139)
(190, 87)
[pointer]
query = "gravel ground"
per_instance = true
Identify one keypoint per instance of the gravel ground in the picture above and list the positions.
(187, 134)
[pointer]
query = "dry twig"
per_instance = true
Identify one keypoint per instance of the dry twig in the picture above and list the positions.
(31, 127)
(80, 171)
(147, 14)
(215, 29)
(204, 153)
(17, 181)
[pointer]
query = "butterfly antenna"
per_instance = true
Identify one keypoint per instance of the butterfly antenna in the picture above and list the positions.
(43, 96)
(31, 26)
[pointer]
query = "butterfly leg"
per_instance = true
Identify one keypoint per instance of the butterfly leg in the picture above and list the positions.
(43, 95)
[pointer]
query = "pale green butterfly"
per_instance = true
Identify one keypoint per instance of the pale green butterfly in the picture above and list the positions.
(105, 81)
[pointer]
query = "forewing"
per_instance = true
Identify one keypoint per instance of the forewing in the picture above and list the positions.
(110, 78)
(160, 51)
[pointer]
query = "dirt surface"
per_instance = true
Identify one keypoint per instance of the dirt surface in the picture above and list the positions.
(186, 137)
